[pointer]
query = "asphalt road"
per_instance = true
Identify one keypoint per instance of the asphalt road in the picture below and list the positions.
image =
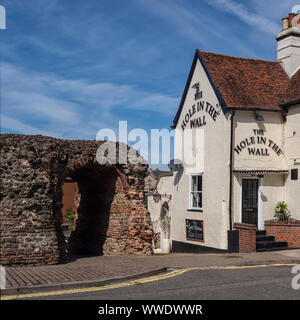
(270, 283)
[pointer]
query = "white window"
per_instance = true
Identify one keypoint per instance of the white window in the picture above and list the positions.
(196, 191)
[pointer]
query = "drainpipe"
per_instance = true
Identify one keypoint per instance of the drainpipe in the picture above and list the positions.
(231, 170)
(233, 235)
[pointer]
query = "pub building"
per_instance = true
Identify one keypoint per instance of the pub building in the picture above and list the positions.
(247, 115)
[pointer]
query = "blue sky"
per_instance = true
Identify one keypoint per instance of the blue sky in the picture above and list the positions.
(71, 68)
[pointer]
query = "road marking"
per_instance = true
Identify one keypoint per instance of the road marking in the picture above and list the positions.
(174, 273)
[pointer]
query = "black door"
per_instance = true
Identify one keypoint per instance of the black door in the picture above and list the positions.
(250, 201)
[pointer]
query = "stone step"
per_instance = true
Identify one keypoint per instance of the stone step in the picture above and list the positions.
(270, 244)
(273, 249)
(264, 238)
(261, 232)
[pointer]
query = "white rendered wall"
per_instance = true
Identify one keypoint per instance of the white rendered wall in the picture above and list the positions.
(214, 155)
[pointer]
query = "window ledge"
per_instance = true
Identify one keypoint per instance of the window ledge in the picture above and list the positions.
(199, 210)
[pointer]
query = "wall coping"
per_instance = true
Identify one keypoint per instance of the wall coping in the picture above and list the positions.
(238, 225)
(289, 223)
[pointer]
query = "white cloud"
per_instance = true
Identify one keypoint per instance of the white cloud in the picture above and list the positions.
(273, 10)
(262, 22)
(157, 102)
(71, 108)
(194, 23)
(28, 93)
(18, 126)
(51, 47)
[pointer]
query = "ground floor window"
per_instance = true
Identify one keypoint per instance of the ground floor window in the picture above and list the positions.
(196, 191)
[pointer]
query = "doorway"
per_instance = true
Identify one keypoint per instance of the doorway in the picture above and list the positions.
(165, 224)
(102, 213)
(250, 200)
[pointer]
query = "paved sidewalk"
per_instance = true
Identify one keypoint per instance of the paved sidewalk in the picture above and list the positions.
(100, 269)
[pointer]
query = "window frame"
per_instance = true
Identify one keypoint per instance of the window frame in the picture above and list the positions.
(191, 192)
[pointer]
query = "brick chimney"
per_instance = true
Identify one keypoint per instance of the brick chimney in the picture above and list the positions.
(288, 48)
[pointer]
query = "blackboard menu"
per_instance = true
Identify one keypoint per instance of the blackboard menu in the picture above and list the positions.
(194, 230)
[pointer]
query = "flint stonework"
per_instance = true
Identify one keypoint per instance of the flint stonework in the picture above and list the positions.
(111, 218)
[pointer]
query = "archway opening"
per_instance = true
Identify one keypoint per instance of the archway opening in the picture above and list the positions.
(94, 194)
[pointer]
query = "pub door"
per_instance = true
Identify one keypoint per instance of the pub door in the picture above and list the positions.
(250, 201)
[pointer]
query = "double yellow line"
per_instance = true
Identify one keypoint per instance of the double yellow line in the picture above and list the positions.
(171, 274)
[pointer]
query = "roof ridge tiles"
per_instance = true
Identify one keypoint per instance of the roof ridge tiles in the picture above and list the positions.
(241, 58)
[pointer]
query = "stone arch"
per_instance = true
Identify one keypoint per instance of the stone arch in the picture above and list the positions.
(34, 170)
(102, 212)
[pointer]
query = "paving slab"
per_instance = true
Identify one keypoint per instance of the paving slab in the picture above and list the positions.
(291, 253)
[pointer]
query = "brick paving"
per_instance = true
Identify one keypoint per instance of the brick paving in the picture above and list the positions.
(84, 269)
(109, 267)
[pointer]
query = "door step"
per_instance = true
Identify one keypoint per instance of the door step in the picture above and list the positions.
(266, 242)
(271, 249)
(263, 237)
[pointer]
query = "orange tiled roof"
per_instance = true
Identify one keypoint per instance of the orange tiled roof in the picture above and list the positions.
(247, 83)
(292, 93)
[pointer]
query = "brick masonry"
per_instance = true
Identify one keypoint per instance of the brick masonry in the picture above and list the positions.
(289, 232)
(109, 201)
(247, 237)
